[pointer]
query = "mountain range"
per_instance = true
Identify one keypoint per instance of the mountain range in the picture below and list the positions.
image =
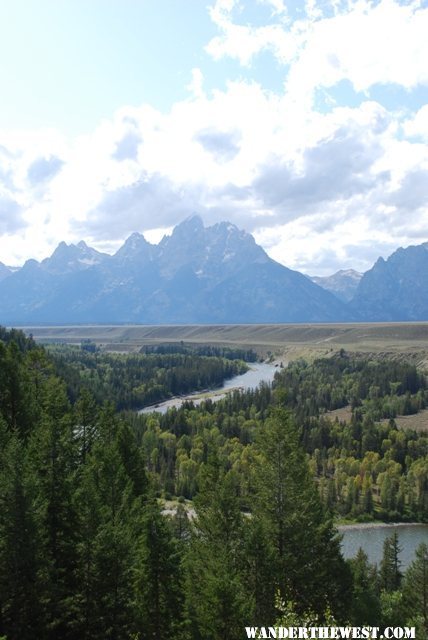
(201, 274)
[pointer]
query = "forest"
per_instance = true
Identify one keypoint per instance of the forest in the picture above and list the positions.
(137, 380)
(259, 479)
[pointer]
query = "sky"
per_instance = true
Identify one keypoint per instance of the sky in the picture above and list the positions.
(304, 123)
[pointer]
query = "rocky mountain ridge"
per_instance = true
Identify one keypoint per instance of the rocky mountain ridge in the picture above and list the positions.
(215, 274)
(343, 284)
(198, 274)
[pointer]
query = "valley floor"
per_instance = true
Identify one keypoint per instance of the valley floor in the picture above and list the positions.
(290, 341)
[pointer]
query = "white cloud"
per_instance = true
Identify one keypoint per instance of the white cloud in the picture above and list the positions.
(195, 87)
(418, 125)
(319, 190)
(302, 182)
(278, 6)
(368, 45)
(363, 42)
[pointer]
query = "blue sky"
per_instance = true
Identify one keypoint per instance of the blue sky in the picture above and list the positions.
(71, 62)
(305, 123)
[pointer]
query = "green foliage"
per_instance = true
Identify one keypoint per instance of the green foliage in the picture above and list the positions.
(393, 610)
(309, 568)
(365, 601)
(415, 587)
(158, 579)
(385, 388)
(217, 600)
(290, 617)
(132, 381)
(389, 573)
(20, 543)
(248, 355)
(86, 551)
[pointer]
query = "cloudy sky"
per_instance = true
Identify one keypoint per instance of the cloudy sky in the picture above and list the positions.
(305, 123)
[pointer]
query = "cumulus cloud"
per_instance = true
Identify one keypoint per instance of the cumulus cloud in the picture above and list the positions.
(149, 203)
(127, 147)
(43, 169)
(418, 125)
(224, 146)
(335, 169)
(321, 188)
(301, 184)
(11, 219)
(366, 43)
(412, 193)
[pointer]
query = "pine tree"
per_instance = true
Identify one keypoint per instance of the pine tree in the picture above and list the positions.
(365, 601)
(260, 560)
(108, 519)
(308, 568)
(158, 584)
(389, 573)
(17, 400)
(415, 587)
(20, 611)
(53, 457)
(217, 600)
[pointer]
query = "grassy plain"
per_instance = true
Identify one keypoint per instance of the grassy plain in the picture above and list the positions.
(287, 341)
(415, 421)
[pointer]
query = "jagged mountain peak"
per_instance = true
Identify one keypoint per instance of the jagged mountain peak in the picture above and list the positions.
(211, 274)
(208, 252)
(135, 240)
(194, 221)
(343, 284)
(135, 247)
(229, 232)
(71, 257)
(31, 263)
(395, 289)
(190, 227)
(198, 274)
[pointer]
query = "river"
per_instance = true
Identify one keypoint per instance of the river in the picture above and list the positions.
(258, 372)
(370, 536)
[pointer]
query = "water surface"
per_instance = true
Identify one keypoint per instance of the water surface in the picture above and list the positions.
(370, 538)
(258, 372)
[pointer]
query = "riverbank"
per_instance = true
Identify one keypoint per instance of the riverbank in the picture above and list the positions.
(376, 525)
(197, 397)
(257, 372)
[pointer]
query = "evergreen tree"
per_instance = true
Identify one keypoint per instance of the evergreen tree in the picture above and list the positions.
(158, 584)
(308, 567)
(389, 573)
(20, 611)
(217, 601)
(109, 513)
(260, 560)
(53, 456)
(17, 401)
(415, 587)
(365, 601)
